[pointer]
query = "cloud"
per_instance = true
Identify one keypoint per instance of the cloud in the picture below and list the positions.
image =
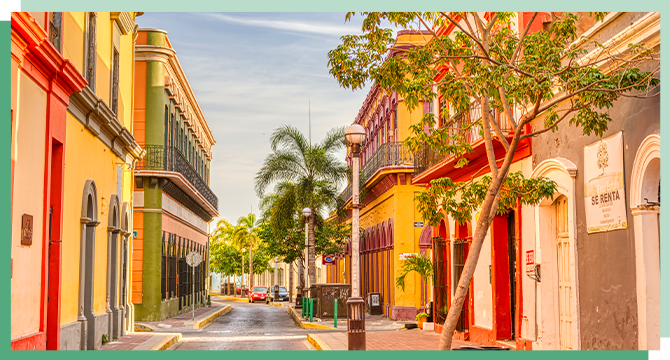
(292, 26)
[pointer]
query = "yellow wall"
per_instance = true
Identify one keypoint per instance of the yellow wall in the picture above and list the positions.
(86, 158)
(73, 38)
(398, 203)
(28, 198)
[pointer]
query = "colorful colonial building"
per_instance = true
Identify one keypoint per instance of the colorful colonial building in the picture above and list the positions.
(72, 158)
(173, 202)
(544, 280)
(390, 223)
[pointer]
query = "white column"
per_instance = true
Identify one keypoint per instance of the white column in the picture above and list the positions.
(648, 275)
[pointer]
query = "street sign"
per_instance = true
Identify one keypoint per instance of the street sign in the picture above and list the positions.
(418, 224)
(193, 259)
(134, 234)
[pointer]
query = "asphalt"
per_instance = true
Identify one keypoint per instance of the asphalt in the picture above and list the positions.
(248, 327)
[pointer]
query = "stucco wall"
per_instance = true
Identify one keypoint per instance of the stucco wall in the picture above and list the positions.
(606, 261)
(86, 158)
(28, 198)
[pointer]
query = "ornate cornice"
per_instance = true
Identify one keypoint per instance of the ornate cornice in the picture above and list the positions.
(124, 20)
(99, 119)
(153, 53)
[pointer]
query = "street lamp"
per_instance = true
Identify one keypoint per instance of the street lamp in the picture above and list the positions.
(355, 135)
(242, 279)
(306, 212)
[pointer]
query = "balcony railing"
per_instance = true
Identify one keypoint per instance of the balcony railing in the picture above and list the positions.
(159, 157)
(427, 157)
(388, 155)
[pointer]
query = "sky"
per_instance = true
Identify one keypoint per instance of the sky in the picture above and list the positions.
(251, 73)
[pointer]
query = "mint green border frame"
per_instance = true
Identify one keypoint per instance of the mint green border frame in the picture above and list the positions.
(341, 5)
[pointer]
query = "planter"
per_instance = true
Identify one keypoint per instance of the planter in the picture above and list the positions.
(421, 321)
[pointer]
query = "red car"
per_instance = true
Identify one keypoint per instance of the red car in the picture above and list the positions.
(238, 290)
(258, 293)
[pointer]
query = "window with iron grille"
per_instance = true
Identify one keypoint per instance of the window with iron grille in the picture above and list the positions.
(55, 29)
(441, 280)
(115, 82)
(163, 267)
(91, 46)
(460, 254)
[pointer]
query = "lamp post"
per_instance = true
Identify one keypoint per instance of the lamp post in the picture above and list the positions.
(242, 279)
(355, 135)
(306, 212)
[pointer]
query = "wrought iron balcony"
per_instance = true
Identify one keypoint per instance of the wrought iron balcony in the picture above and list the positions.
(388, 155)
(427, 157)
(159, 157)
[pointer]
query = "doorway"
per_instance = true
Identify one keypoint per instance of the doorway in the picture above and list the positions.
(564, 279)
(511, 260)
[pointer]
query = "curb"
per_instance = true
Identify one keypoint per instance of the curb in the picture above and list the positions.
(199, 324)
(232, 298)
(276, 304)
(143, 328)
(307, 325)
(317, 342)
(167, 342)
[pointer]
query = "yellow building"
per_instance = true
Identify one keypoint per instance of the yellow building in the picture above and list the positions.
(391, 226)
(82, 213)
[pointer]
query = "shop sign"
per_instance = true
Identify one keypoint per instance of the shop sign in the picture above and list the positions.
(604, 191)
(328, 260)
(530, 261)
(405, 256)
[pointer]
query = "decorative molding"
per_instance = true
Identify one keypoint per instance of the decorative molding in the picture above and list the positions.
(153, 53)
(649, 149)
(99, 119)
(124, 20)
(559, 163)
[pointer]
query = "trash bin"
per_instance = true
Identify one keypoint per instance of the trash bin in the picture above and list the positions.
(375, 303)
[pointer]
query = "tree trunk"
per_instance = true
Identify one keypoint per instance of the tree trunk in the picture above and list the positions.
(290, 282)
(488, 211)
(251, 268)
(312, 262)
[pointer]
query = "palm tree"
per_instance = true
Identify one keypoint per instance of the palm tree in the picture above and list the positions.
(246, 236)
(313, 171)
(422, 266)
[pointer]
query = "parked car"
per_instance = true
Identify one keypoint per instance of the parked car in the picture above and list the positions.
(283, 294)
(238, 290)
(258, 293)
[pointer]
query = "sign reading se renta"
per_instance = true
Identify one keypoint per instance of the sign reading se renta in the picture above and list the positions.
(604, 191)
(418, 224)
(530, 261)
(405, 256)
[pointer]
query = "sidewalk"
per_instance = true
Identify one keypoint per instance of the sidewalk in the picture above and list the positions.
(372, 322)
(143, 341)
(414, 339)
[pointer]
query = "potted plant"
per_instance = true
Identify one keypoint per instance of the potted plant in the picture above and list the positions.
(421, 318)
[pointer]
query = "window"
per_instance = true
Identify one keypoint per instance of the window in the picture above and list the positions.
(55, 29)
(91, 50)
(443, 117)
(115, 82)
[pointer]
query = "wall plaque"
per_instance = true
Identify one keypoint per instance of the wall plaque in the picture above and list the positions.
(27, 229)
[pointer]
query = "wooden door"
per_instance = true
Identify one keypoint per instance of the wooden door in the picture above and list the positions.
(564, 276)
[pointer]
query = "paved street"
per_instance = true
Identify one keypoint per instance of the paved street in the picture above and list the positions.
(248, 327)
